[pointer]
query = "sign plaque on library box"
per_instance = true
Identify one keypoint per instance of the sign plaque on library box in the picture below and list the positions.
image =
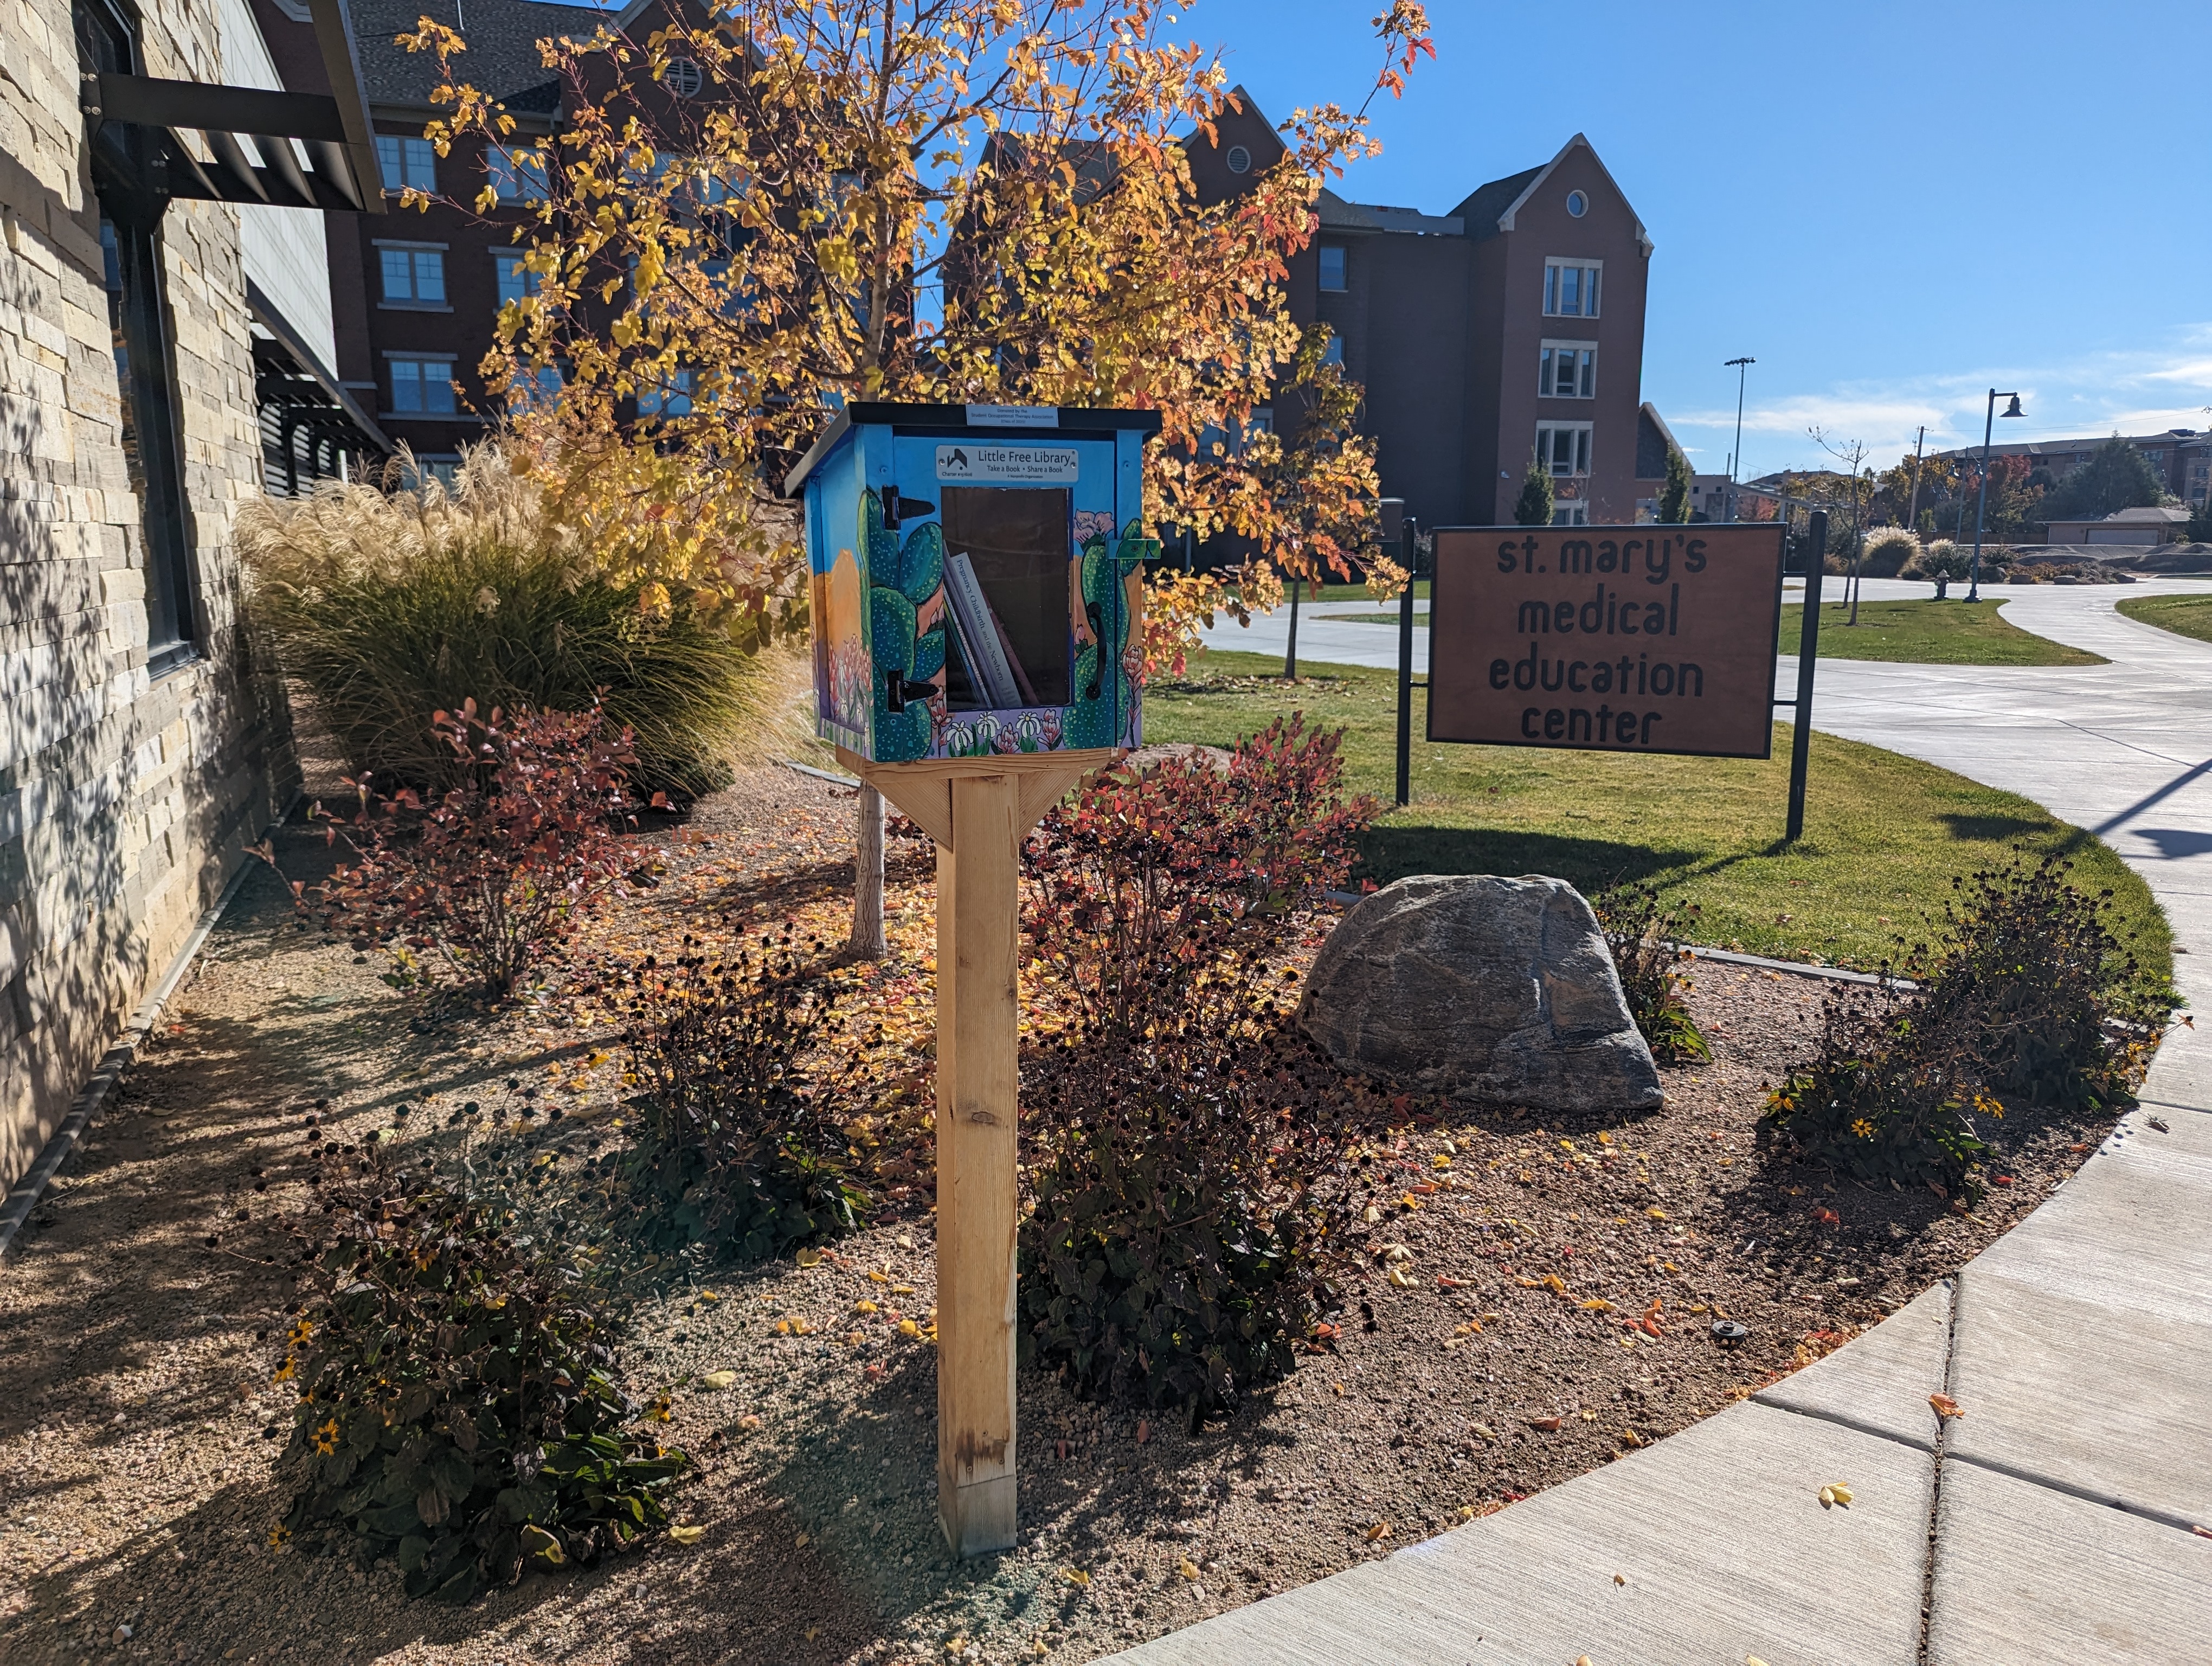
(1637, 639)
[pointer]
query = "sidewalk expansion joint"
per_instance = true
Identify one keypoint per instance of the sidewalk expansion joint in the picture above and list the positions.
(1843, 1422)
(1957, 1282)
(2086, 1495)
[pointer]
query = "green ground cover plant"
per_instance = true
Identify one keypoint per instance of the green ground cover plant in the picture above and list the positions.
(458, 1402)
(1928, 633)
(1884, 834)
(2186, 615)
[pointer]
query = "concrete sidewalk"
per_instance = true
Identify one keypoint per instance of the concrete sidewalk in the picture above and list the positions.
(2058, 1520)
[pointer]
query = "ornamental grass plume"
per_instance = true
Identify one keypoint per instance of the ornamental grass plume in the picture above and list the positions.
(390, 604)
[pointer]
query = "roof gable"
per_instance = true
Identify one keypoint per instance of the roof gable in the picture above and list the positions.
(1485, 218)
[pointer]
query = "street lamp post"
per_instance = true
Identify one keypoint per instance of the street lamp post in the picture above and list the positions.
(1981, 502)
(1743, 368)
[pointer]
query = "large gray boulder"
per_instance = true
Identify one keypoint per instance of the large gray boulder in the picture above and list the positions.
(1483, 987)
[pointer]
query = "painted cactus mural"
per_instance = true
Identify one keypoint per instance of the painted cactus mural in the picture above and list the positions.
(1103, 690)
(906, 631)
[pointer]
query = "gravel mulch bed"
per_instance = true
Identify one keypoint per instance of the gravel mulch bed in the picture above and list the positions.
(1547, 1306)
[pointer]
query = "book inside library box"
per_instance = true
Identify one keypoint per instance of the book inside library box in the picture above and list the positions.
(1015, 540)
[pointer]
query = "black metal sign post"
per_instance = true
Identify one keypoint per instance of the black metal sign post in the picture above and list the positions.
(1809, 648)
(1393, 509)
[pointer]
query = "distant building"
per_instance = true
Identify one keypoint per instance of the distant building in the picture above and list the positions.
(2165, 525)
(2180, 457)
(1511, 327)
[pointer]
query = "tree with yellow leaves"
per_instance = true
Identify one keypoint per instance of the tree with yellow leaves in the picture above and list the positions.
(933, 201)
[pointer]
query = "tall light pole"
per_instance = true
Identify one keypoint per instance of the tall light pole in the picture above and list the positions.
(1981, 503)
(1912, 515)
(1743, 368)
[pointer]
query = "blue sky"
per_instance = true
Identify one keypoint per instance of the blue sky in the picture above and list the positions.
(1891, 207)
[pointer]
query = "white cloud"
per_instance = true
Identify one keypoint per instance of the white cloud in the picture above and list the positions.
(2139, 391)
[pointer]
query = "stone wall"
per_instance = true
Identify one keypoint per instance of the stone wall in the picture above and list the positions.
(126, 800)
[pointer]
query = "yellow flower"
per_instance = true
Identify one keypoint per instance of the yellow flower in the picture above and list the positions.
(1863, 1128)
(279, 1537)
(284, 1371)
(326, 1437)
(301, 1331)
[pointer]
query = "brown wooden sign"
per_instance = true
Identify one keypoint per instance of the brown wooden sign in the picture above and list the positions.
(1637, 639)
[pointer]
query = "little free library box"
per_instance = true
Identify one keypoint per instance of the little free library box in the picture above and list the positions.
(976, 578)
(1646, 638)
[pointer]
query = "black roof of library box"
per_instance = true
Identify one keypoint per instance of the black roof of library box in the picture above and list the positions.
(1012, 421)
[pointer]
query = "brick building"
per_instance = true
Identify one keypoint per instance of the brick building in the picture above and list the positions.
(1511, 326)
(153, 332)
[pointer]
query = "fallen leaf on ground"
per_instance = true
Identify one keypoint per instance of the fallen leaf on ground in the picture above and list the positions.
(1548, 1425)
(1188, 1568)
(1380, 1530)
(718, 1380)
(749, 1423)
(801, 1542)
(691, 1535)
(810, 1258)
(1075, 1576)
(1945, 1405)
(1834, 1494)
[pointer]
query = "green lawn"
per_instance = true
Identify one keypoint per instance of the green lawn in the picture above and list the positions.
(2186, 616)
(1884, 834)
(1347, 593)
(1928, 633)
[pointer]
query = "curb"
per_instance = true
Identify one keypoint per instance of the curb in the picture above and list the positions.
(23, 1196)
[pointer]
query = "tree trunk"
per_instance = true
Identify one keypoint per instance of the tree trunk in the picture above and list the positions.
(867, 940)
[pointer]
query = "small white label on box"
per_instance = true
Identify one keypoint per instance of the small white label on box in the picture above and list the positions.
(1014, 416)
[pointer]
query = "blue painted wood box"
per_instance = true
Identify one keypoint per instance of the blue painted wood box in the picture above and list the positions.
(976, 578)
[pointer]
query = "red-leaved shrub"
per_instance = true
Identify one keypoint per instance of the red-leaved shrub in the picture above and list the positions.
(1151, 877)
(490, 879)
(1188, 1203)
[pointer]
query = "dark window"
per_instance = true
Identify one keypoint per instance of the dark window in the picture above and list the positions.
(145, 367)
(1020, 542)
(407, 163)
(1332, 265)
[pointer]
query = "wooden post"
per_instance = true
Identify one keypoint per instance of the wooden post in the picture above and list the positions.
(978, 1020)
(867, 939)
(978, 810)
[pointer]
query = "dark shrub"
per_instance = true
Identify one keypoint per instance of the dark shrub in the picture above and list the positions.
(1140, 888)
(738, 1144)
(2027, 997)
(1189, 1215)
(1642, 933)
(1884, 1098)
(458, 1407)
(2056, 1009)
(488, 879)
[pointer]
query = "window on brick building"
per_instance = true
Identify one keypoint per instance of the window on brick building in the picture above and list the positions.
(1563, 447)
(1567, 370)
(422, 387)
(1571, 287)
(407, 163)
(412, 276)
(1332, 266)
(512, 276)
